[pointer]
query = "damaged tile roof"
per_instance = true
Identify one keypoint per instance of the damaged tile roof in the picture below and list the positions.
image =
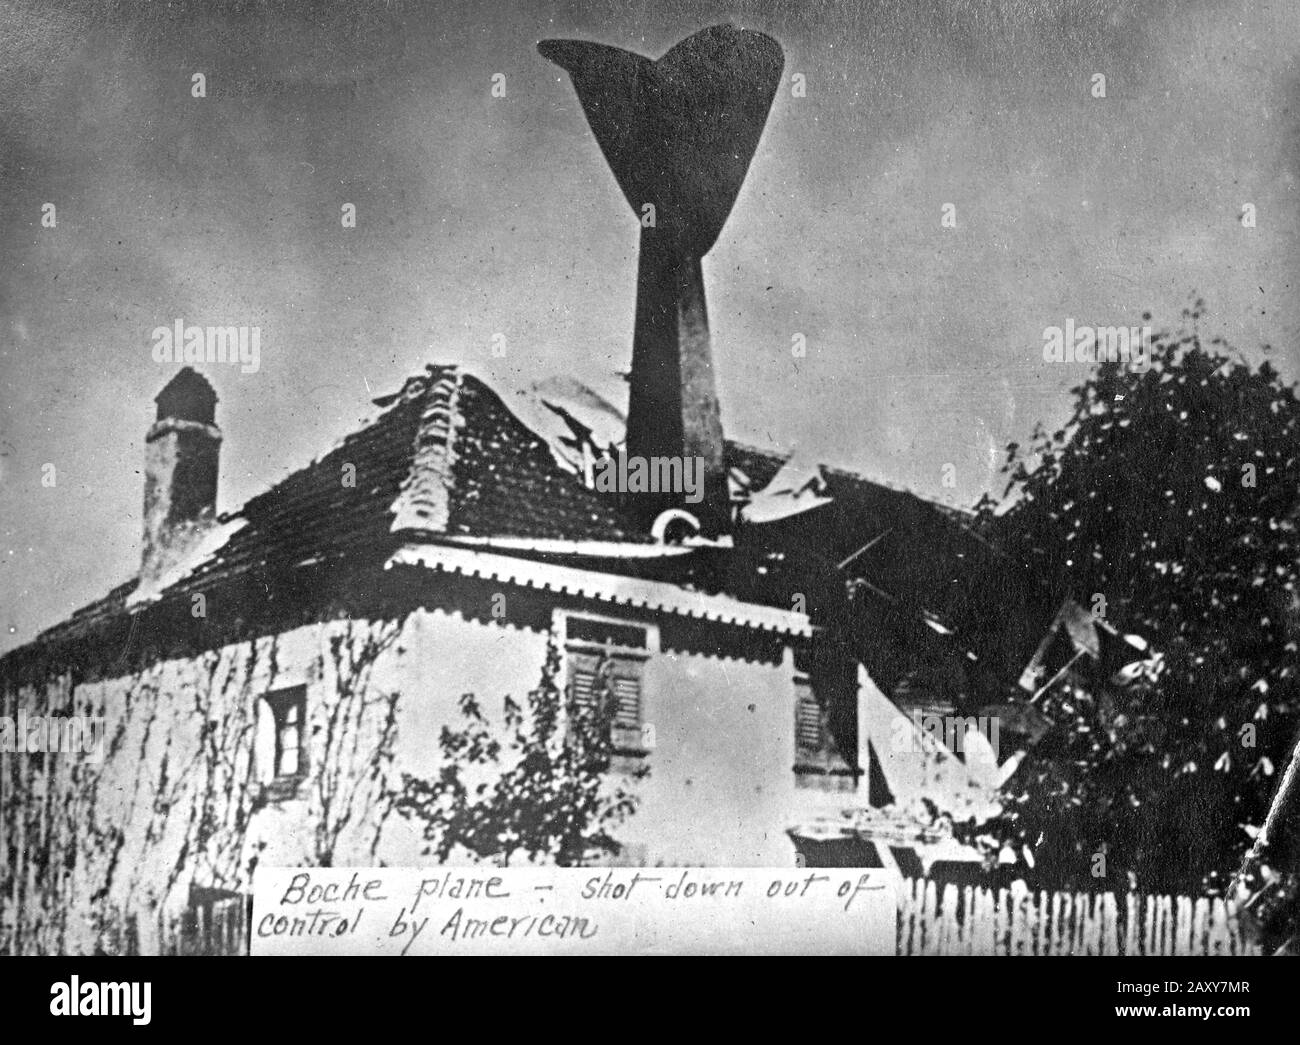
(905, 549)
(447, 458)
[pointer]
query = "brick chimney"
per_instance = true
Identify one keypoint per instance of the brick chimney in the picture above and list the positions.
(180, 473)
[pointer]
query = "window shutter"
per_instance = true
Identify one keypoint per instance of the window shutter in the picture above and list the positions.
(584, 688)
(809, 735)
(605, 663)
(624, 691)
(582, 677)
(627, 702)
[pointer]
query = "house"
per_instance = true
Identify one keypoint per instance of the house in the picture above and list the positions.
(269, 674)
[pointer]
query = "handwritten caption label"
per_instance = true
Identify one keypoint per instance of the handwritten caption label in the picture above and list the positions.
(573, 910)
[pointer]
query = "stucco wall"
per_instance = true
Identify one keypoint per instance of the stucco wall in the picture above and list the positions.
(176, 800)
(720, 789)
(721, 785)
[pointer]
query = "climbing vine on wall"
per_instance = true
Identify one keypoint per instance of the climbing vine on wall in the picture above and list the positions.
(102, 856)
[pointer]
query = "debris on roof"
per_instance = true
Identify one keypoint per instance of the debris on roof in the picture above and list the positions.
(447, 459)
(798, 486)
(578, 425)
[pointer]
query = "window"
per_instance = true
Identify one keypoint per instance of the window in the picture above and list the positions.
(605, 661)
(282, 750)
(613, 677)
(818, 763)
(809, 729)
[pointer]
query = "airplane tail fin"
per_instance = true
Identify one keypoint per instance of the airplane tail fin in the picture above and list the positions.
(678, 132)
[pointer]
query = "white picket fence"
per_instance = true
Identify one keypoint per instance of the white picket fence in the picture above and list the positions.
(1017, 921)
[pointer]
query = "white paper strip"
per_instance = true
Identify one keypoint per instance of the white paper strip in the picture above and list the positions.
(535, 910)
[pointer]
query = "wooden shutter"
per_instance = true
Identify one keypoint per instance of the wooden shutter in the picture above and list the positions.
(627, 699)
(808, 731)
(621, 684)
(605, 661)
(582, 677)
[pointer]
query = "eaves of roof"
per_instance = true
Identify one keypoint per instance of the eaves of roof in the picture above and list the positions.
(633, 592)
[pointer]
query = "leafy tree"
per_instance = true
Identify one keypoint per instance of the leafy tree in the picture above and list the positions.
(543, 795)
(1172, 493)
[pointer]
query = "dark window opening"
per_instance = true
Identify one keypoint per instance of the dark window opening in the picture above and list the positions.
(604, 633)
(288, 710)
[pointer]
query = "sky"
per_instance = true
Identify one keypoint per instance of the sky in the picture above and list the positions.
(480, 216)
